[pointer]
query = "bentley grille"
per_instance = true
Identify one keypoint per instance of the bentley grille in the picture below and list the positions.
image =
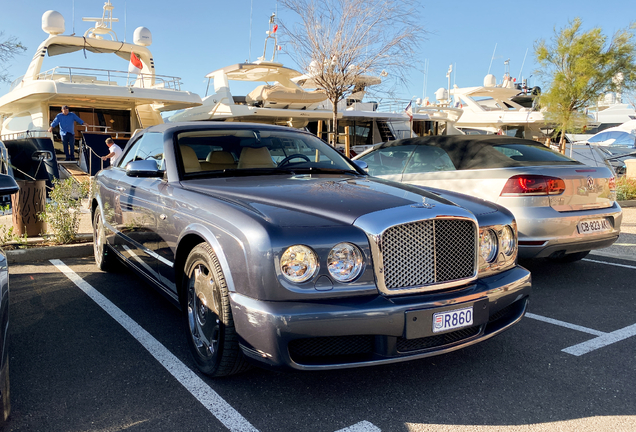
(428, 252)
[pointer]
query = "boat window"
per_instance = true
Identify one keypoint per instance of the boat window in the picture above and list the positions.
(148, 147)
(429, 159)
(388, 160)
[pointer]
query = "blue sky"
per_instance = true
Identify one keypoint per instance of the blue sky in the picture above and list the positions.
(193, 38)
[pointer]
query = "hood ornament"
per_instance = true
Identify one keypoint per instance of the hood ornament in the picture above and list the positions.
(423, 205)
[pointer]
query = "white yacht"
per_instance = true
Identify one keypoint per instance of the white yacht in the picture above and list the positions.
(609, 112)
(371, 122)
(284, 96)
(112, 103)
(496, 109)
(276, 98)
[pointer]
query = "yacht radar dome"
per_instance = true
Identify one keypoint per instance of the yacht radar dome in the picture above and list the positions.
(142, 36)
(490, 80)
(53, 22)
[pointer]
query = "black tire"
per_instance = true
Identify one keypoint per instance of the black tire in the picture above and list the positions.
(104, 257)
(210, 331)
(6, 395)
(568, 258)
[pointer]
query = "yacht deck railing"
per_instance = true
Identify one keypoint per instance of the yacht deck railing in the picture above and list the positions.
(106, 77)
(45, 134)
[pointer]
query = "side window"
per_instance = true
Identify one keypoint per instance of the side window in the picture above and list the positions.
(429, 159)
(388, 160)
(148, 147)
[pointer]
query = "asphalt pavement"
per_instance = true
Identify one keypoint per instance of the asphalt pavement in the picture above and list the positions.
(91, 350)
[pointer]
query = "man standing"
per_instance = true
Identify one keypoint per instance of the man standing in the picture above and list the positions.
(67, 120)
(115, 152)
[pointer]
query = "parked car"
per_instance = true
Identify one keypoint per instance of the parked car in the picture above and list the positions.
(282, 252)
(8, 186)
(594, 155)
(618, 143)
(564, 209)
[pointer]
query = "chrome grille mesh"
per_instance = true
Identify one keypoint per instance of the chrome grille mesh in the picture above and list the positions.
(428, 252)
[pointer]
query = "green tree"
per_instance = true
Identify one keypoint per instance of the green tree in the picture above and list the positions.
(9, 48)
(343, 44)
(579, 67)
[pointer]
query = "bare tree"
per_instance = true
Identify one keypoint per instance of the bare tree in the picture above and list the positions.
(338, 42)
(9, 48)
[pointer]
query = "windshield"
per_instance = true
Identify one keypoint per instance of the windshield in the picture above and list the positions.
(251, 151)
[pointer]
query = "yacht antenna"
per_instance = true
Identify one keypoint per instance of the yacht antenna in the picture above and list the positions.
(425, 76)
(522, 63)
(73, 16)
(249, 50)
(125, 19)
(271, 34)
(492, 58)
(103, 25)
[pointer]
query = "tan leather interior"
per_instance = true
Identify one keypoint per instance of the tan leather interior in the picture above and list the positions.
(255, 158)
(190, 160)
(220, 160)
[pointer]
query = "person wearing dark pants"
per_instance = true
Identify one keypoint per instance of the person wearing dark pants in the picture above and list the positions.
(67, 120)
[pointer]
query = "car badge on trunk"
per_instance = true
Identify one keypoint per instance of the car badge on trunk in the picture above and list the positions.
(590, 183)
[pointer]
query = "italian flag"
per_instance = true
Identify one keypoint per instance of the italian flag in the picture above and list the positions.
(135, 64)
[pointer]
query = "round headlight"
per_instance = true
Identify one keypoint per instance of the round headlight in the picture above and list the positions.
(345, 262)
(488, 245)
(298, 263)
(508, 241)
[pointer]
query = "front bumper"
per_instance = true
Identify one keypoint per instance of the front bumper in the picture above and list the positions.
(363, 331)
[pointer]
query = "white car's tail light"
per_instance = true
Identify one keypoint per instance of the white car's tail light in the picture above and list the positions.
(345, 262)
(612, 183)
(533, 185)
(299, 263)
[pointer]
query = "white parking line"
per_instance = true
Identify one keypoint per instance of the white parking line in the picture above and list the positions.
(601, 341)
(363, 426)
(565, 324)
(227, 415)
(609, 263)
(210, 399)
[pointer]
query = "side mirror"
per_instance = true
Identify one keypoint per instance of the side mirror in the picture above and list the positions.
(361, 164)
(143, 168)
(8, 186)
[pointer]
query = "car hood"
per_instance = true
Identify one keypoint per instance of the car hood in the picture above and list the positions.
(340, 198)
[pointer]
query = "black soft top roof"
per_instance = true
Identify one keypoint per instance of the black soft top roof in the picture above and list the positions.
(470, 151)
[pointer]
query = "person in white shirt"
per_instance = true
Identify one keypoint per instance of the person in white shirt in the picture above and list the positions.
(115, 152)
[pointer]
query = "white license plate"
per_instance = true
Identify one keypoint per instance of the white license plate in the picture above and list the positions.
(592, 226)
(452, 319)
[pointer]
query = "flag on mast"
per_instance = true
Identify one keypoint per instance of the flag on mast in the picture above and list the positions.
(135, 64)
(409, 111)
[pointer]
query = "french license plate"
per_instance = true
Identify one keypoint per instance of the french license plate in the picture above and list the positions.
(592, 226)
(452, 319)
